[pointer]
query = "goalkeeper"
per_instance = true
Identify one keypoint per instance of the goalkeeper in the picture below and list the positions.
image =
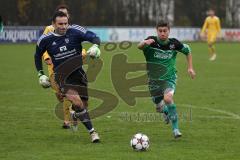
(62, 45)
(66, 103)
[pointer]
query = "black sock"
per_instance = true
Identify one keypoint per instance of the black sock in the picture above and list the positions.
(84, 117)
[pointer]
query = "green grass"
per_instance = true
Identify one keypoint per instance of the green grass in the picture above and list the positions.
(208, 107)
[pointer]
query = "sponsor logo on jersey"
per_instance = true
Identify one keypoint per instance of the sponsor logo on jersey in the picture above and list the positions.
(63, 48)
(163, 54)
(172, 46)
(54, 43)
(66, 40)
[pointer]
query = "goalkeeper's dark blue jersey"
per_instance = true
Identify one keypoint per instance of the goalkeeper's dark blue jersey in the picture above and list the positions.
(62, 47)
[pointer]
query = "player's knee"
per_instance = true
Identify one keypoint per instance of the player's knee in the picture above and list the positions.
(85, 103)
(168, 98)
(72, 96)
(210, 43)
(74, 99)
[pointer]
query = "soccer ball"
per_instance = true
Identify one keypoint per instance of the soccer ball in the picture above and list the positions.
(140, 142)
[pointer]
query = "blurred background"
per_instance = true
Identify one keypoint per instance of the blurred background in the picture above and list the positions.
(124, 13)
(121, 12)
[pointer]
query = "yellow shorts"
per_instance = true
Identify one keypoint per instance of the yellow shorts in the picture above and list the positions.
(211, 38)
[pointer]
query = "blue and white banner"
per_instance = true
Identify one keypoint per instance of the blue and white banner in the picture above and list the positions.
(20, 34)
(28, 34)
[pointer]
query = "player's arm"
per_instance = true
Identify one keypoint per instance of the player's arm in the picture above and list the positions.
(45, 56)
(93, 51)
(191, 71)
(43, 79)
(218, 27)
(93, 38)
(48, 29)
(85, 35)
(203, 30)
(145, 43)
(185, 49)
(84, 56)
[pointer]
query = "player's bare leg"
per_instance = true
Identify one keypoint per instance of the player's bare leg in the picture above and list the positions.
(212, 51)
(66, 103)
(162, 108)
(66, 112)
(81, 113)
(73, 119)
(172, 113)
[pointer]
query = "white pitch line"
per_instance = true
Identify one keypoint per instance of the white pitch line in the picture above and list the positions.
(233, 115)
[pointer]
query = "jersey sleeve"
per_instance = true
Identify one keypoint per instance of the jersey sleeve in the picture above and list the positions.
(84, 56)
(40, 49)
(181, 47)
(146, 47)
(92, 37)
(218, 26)
(86, 35)
(186, 49)
(45, 56)
(150, 37)
(46, 31)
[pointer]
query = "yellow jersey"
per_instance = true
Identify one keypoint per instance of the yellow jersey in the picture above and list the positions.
(211, 25)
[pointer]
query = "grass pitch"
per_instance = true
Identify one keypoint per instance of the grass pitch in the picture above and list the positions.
(209, 111)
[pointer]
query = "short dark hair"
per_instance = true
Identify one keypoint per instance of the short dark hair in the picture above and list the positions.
(62, 6)
(163, 24)
(58, 14)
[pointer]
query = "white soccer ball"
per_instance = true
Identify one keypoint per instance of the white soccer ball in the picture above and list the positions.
(140, 142)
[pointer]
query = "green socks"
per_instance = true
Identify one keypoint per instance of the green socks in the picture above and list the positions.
(172, 114)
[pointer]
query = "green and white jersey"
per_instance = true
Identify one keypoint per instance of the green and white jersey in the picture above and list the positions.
(161, 58)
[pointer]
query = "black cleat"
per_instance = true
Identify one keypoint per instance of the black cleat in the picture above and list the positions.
(66, 126)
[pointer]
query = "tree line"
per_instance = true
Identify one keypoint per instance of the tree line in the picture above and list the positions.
(114, 12)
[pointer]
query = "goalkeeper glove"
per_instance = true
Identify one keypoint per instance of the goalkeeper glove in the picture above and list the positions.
(94, 51)
(43, 80)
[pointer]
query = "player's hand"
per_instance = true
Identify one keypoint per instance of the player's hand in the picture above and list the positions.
(202, 36)
(219, 36)
(44, 81)
(192, 73)
(94, 51)
(149, 41)
(48, 61)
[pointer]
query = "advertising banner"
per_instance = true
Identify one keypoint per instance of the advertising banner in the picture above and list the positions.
(28, 34)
